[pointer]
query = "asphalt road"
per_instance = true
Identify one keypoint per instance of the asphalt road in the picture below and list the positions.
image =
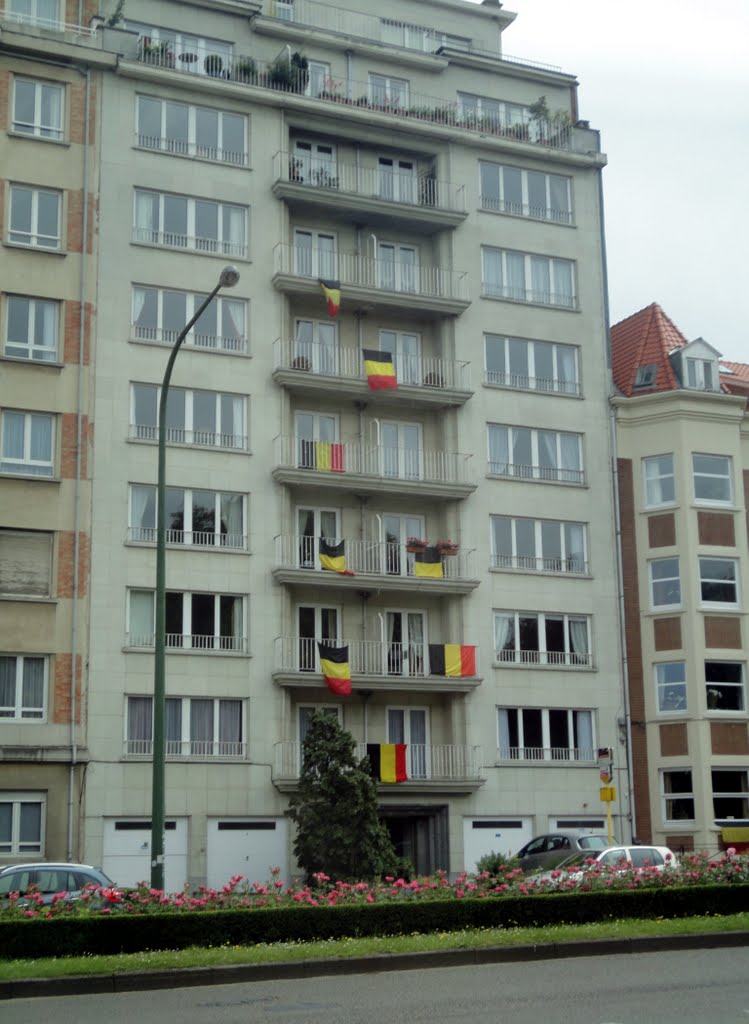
(650, 988)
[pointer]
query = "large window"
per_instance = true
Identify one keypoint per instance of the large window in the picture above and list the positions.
(23, 687)
(35, 216)
(525, 193)
(417, 37)
(724, 686)
(38, 108)
(665, 583)
(28, 443)
(671, 686)
(315, 253)
(200, 622)
(712, 479)
(523, 277)
(208, 418)
(542, 638)
(719, 581)
(195, 727)
(31, 328)
(21, 823)
(494, 115)
(538, 545)
(677, 796)
(546, 734)
(192, 131)
(160, 314)
(183, 222)
(196, 517)
(45, 13)
(386, 91)
(549, 455)
(531, 365)
(26, 563)
(730, 793)
(659, 480)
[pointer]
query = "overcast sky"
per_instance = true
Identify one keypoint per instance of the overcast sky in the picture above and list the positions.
(667, 85)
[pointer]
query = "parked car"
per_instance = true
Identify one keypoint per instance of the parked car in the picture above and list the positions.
(553, 847)
(658, 858)
(50, 879)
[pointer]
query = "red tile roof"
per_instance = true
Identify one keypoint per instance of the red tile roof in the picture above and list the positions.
(644, 339)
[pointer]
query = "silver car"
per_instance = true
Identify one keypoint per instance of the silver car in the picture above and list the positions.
(549, 849)
(50, 879)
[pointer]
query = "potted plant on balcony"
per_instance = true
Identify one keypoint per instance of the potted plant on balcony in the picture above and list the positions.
(300, 363)
(244, 69)
(290, 74)
(414, 545)
(214, 65)
(447, 547)
(434, 380)
(324, 179)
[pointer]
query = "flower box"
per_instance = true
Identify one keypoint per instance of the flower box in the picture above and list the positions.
(415, 545)
(447, 547)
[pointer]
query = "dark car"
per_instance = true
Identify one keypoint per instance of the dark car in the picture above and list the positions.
(50, 879)
(548, 850)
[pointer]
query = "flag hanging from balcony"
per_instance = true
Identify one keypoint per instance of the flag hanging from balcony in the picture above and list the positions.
(332, 292)
(379, 369)
(388, 761)
(329, 456)
(428, 563)
(452, 660)
(335, 668)
(333, 557)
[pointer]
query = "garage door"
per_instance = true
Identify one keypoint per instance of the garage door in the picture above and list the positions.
(127, 851)
(493, 835)
(246, 846)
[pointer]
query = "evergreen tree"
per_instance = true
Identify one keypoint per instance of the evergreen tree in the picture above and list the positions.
(339, 831)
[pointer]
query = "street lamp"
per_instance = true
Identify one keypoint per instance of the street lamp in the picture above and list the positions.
(229, 277)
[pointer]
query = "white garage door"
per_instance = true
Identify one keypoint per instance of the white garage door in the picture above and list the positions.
(127, 851)
(493, 835)
(246, 846)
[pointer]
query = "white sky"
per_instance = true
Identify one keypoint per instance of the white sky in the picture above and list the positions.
(667, 85)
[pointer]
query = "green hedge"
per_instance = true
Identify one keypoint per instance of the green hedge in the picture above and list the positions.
(121, 933)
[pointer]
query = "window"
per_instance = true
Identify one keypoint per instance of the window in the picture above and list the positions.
(411, 726)
(676, 795)
(386, 91)
(208, 418)
(645, 376)
(480, 112)
(35, 216)
(416, 37)
(315, 254)
(525, 193)
(45, 13)
(397, 267)
(659, 480)
(196, 517)
(712, 479)
(532, 365)
(182, 222)
(25, 563)
(314, 163)
(316, 347)
(21, 823)
(23, 687)
(539, 638)
(200, 622)
(524, 277)
(724, 686)
(701, 374)
(546, 734)
(200, 132)
(665, 583)
(730, 793)
(718, 581)
(31, 328)
(160, 314)
(535, 454)
(37, 108)
(538, 545)
(397, 179)
(671, 686)
(318, 79)
(27, 443)
(284, 10)
(195, 727)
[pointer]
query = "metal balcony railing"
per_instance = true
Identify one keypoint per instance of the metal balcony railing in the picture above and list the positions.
(180, 435)
(191, 642)
(572, 659)
(376, 558)
(534, 295)
(550, 473)
(188, 748)
(166, 336)
(416, 465)
(337, 361)
(366, 657)
(189, 538)
(176, 240)
(587, 754)
(424, 762)
(523, 382)
(184, 147)
(47, 24)
(532, 563)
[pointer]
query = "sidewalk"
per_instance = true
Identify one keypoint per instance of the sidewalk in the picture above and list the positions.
(191, 977)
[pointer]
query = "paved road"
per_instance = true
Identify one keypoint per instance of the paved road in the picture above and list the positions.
(650, 988)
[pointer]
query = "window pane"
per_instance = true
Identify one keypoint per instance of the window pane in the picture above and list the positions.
(149, 121)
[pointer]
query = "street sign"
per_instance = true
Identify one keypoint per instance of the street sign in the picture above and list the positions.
(608, 794)
(605, 757)
(605, 776)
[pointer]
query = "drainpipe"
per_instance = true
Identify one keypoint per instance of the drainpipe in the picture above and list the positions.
(349, 69)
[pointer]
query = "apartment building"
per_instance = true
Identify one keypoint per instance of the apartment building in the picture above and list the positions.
(682, 459)
(452, 196)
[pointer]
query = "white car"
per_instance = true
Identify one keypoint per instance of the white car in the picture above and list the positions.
(623, 858)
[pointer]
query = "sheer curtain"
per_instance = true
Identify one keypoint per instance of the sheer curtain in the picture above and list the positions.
(419, 760)
(146, 217)
(174, 726)
(201, 727)
(234, 218)
(583, 735)
(579, 640)
(232, 520)
(229, 728)
(504, 734)
(47, 317)
(139, 725)
(41, 444)
(566, 369)
(547, 443)
(492, 271)
(504, 630)
(499, 449)
(13, 433)
(141, 618)
(415, 645)
(515, 276)
(7, 687)
(141, 524)
(232, 324)
(570, 456)
(563, 291)
(540, 279)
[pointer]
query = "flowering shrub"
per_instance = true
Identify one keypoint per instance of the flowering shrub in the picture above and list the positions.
(693, 869)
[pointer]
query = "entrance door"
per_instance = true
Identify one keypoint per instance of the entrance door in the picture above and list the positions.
(411, 726)
(396, 531)
(404, 643)
(406, 353)
(401, 450)
(397, 180)
(313, 523)
(315, 623)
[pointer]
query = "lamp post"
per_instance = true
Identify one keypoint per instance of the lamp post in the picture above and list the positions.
(229, 277)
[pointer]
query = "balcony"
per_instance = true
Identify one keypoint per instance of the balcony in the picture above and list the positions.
(379, 565)
(366, 468)
(436, 767)
(312, 368)
(184, 749)
(341, 191)
(549, 755)
(185, 436)
(374, 664)
(199, 643)
(548, 474)
(381, 285)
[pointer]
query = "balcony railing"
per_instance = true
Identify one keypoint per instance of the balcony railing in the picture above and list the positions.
(405, 187)
(549, 473)
(188, 748)
(424, 762)
(532, 563)
(523, 382)
(166, 336)
(533, 295)
(191, 642)
(176, 240)
(413, 465)
(571, 659)
(357, 270)
(181, 435)
(183, 147)
(189, 538)
(336, 361)
(366, 657)
(369, 557)
(556, 754)
(47, 24)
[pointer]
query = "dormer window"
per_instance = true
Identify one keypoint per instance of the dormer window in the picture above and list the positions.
(700, 374)
(645, 376)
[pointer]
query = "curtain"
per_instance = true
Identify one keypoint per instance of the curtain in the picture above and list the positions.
(570, 456)
(41, 443)
(579, 638)
(418, 738)
(232, 526)
(232, 323)
(396, 726)
(139, 301)
(201, 727)
(515, 276)
(566, 369)
(146, 217)
(492, 271)
(46, 327)
(326, 334)
(499, 449)
(547, 443)
(14, 424)
(415, 645)
(234, 221)
(563, 283)
(504, 632)
(139, 725)
(574, 538)
(7, 687)
(141, 618)
(504, 733)
(173, 726)
(32, 697)
(540, 279)
(583, 734)
(141, 496)
(230, 727)
(386, 266)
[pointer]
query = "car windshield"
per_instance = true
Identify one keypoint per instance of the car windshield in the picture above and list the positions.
(593, 842)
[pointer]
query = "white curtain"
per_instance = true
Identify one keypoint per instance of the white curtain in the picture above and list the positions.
(232, 320)
(231, 520)
(584, 732)
(492, 271)
(13, 434)
(41, 442)
(548, 454)
(415, 644)
(499, 449)
(139, 725)
(201, 727)
(234, 221)
(33, 684)
(174, 726)
(396, 725)
(140, 497)
(563, 282)
(146, 217)
(7, 686)
(515, 276)
(504, 629)
(504, 733)
(540, 279)
(47, 318)
(566, 368)
(141, 618)
(139, 301)
(229, 727)
(579, 636)
(570, 456)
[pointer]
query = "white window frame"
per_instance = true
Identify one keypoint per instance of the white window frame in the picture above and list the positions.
(713, 688)
(26, 466)
(546, 752)
(186, 434)
(191, 147)
(669, 797)
(701, 374)
(185, 746)
(739, 795)
(516, 655)
(314, 163)
(535, 471)
(16, 848)
(314, 261)
(658, 582)
(531, 381)
(318, 77)
(397, 274)
(401, 461)
(387, 90)
(707, 580)
(418, 756)
(397, 179)
(474, 110)
(707, 476)
(154, 234)
(526, 292)
(36, 308)
(316, 354)
(398, 561)
(32, 237)
(306, 657)
(405, 659)
(671, 691)
(538, 562)
(186, 536)
(19, 711)
(655, 475)
(524, 208)
(227, 311)
(306, 544)
(35, 18)
(36, 129)
(408, 365)
(215, 643)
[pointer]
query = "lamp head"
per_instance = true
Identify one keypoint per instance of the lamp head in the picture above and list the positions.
(229, 277)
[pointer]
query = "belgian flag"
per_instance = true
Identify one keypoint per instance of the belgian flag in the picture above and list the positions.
(379, 369)
(332, 292)
(452, 660)
(388, 761)
(333, 557)
(329, 456)
(335, 668)
(428, 563)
